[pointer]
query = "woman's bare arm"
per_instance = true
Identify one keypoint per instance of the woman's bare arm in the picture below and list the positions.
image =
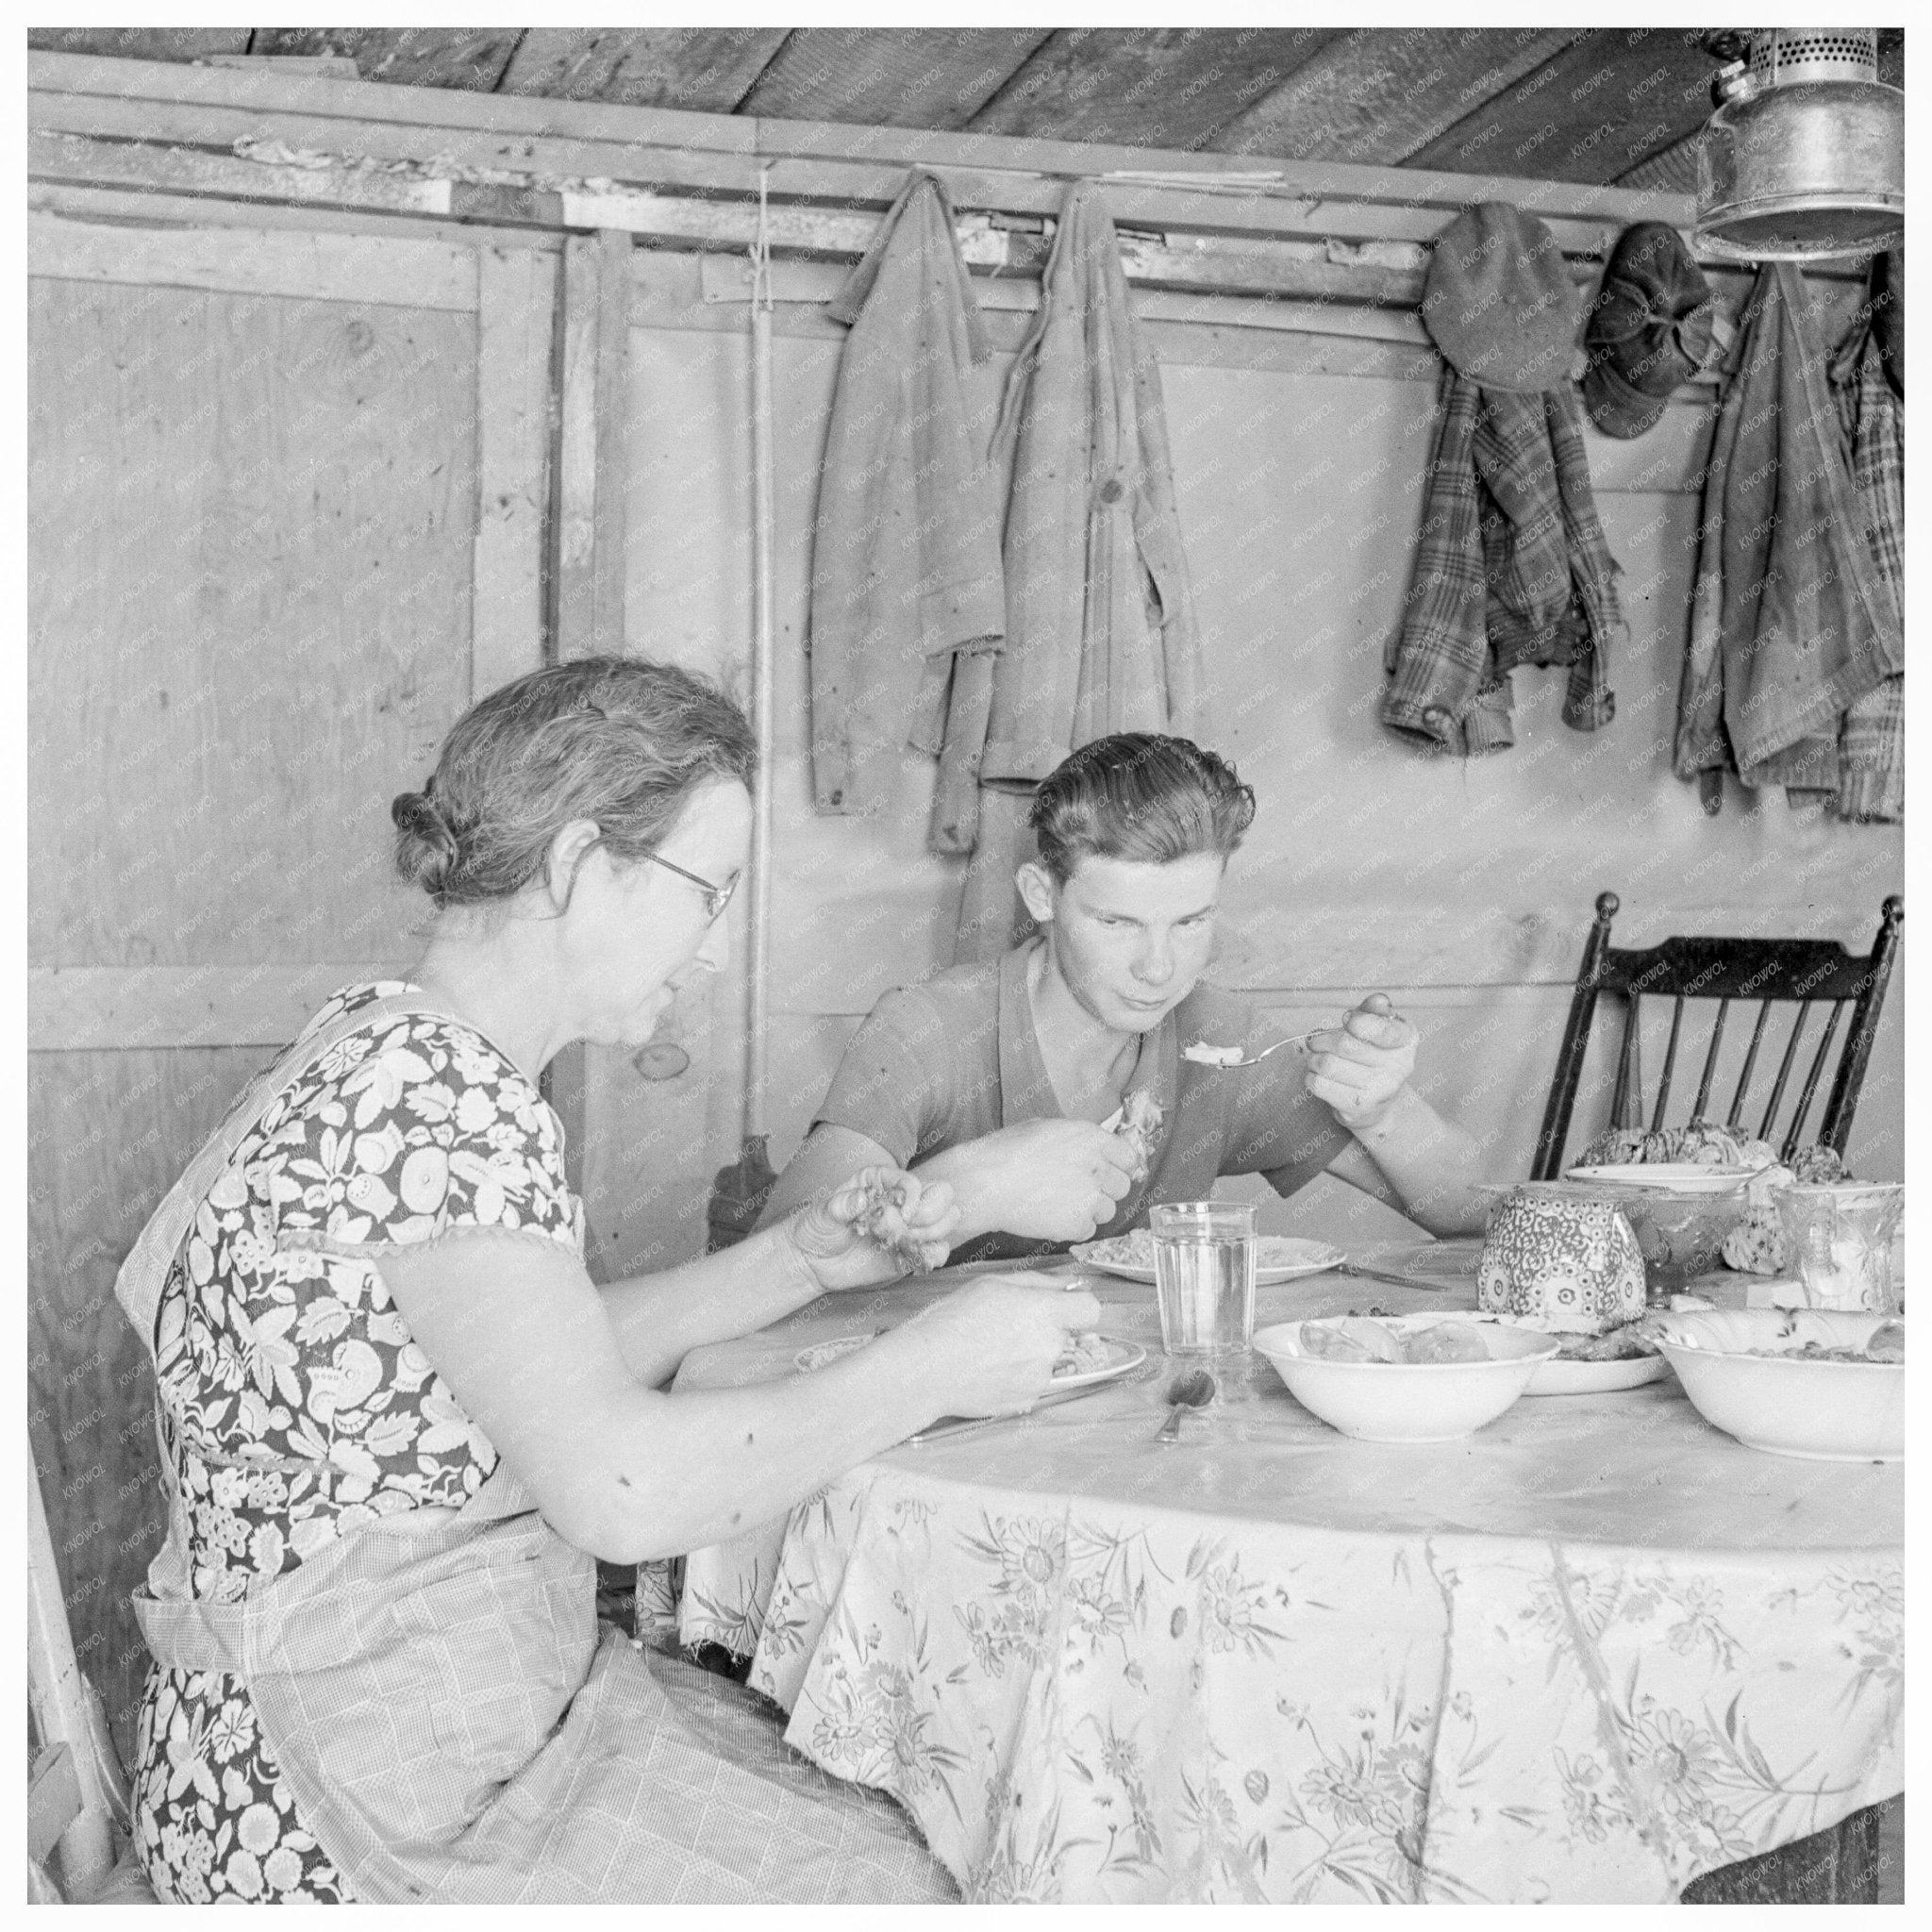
(658, 1318)
(528, 1347)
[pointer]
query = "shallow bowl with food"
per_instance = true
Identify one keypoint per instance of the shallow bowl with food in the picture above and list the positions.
(1405, 1401)
(1793, 1381)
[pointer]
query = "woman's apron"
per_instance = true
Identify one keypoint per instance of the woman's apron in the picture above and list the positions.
(433, 1689)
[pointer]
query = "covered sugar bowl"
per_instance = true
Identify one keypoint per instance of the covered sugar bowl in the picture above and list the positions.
(1563, 1254)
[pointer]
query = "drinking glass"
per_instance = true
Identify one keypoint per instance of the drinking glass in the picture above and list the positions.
(1838, 1239)
(1204, 1274)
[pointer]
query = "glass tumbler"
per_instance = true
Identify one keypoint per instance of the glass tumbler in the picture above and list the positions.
(1203, 1275)
(1838, 1242)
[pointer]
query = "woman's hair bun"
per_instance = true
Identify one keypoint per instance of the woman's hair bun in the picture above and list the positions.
(619, 742)
(427, 849)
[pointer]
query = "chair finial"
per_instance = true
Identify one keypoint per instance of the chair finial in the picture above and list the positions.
(1607, 905)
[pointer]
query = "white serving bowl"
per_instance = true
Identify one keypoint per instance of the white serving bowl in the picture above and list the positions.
(1831, 1411)
(1406, 1402)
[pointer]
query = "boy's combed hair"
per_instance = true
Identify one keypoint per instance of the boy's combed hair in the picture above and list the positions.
(1142, 796)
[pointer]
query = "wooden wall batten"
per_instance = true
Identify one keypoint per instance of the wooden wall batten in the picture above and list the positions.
(591, 436)
(509, 621)
(591, 531)
(262, 261)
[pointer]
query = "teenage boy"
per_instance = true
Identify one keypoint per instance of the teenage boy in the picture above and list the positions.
(1006, 1079)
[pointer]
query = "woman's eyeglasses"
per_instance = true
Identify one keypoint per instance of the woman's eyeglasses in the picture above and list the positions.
(716, 897)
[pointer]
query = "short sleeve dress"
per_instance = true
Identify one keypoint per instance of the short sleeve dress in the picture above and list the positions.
(297, 1406)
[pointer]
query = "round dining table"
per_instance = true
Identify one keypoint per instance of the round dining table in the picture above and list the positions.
(1585, 1655)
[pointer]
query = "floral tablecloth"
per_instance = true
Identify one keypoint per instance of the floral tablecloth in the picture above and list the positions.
(1584, 1656)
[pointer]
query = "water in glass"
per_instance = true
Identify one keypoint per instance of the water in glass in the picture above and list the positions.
(1203, 1266)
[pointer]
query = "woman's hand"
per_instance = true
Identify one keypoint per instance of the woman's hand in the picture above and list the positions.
(1360, 1068)
(990, 1348)
(879, 1226)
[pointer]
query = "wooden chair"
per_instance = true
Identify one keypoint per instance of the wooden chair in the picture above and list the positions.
(1801, 973)
(76, 1791)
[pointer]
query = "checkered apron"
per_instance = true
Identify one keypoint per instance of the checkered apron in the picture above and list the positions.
(437, 1695)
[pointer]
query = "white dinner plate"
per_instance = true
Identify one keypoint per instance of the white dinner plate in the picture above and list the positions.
(1561, 1378)
(1121, 1359)
(1279, 1256)
(1671, 1178)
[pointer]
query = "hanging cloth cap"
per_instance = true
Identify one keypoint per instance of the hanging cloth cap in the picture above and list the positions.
(1498, 300)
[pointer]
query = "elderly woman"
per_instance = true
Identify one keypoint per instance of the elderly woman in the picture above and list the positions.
(399, 1421)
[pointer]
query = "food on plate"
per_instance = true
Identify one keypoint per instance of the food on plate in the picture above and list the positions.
(1819, 1166)
(882, 1220)
(1134, 1249)
(820, 1352)
(1621, 1343)
(1139, 1127)
(1700, 1144)
(1363, 1338)
(1816, 1352)
(1887, 1343)
(1083, 1354)
(1213, 1055)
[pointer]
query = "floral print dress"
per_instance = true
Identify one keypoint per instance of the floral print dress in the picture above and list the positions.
(298, 1409)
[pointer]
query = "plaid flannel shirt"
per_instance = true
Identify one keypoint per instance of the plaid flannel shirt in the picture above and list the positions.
(1511, 568)
(1872, 735)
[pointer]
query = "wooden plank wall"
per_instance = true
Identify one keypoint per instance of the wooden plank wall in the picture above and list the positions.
(1462, 888)
(256, 467)
(307, 480)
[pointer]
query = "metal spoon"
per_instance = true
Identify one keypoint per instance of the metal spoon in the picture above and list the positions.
(1194, 1389)
(1207, 1056)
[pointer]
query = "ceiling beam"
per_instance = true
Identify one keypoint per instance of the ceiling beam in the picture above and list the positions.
(1596, 111)
(136, 102)
(140, 43)
(1153, 87)
(709, 70)
(468, 58)
(1374, 95)
(890, 77)
(1672, 170)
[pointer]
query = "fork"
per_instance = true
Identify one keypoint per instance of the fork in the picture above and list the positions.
(1355, 1270)
(1245, 1060)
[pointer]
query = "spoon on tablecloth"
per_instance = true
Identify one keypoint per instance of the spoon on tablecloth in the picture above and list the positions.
(1195, 1390)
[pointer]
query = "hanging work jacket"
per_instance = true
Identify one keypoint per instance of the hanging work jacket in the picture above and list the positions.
(905, 556)
(1789, 623)
(1100, 631)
